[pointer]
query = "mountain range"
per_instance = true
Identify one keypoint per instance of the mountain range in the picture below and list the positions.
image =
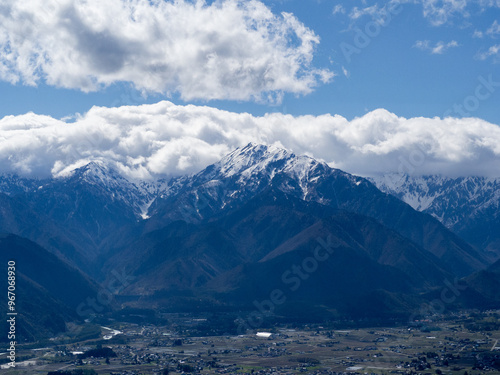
(468, 206)
(262, 224)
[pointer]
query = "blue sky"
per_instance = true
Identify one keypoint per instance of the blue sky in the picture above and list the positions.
(394, 68)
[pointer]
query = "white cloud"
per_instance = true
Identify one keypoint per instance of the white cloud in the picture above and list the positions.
(360, 12)
(436, 49)
(422, 44)
(489, 3)
(379, 14)
(440, 12)
(339, 8)
(494, 29)
(493, 51)
(229, 49)
(164, 138)
(437, 12)
(477, 34)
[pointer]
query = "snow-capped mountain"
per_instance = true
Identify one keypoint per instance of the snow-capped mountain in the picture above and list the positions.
(13, 185)
(450, 200)
(235, 227)
(135, 194)
(257, 165)
(469, 206)
(239, 176)
(97, 208)
(97, 175)
(253, 169)
(78, 214)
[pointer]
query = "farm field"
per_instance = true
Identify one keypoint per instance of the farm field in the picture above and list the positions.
(456, 345)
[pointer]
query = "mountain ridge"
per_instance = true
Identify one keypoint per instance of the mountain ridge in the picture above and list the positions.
(235, 227)
(100, 208)
(468, 206)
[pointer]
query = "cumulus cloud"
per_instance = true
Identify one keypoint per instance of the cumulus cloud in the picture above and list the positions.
(165, 139)
(228, 49)
(436, 49)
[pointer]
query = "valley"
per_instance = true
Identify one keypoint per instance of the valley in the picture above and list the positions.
(465, 342)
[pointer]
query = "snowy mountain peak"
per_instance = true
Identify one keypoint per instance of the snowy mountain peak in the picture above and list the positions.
(98, 173)
(435, 194)
(93, 169)
(466, 205)
(453, 201)
(247, 171)
(261, 160)
(105, 179)
(252, 156)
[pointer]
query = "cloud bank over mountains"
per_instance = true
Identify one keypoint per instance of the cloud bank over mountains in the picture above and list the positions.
(228, 49)
(165, 139)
